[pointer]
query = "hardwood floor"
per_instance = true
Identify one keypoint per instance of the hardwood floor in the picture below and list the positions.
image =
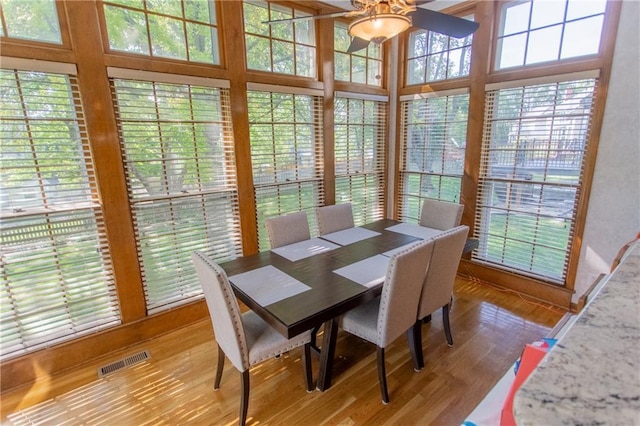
(175, 386)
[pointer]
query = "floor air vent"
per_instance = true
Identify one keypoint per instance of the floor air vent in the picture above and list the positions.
(125, 362)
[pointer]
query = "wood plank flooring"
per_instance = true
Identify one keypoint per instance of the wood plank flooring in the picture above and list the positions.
(175, 386)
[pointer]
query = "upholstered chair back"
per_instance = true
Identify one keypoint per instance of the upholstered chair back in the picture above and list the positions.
(288, 229)
(441, 274)
(334, 218)
(440, 215)
(401, 291)
(224, 310)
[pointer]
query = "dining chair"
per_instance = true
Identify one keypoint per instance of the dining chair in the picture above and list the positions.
(244, 338)
(440, 215)
(334, 218)
(383, 319)
(437, 289)
(287, 229)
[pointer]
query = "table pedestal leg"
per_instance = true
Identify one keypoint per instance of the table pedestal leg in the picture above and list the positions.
(327, 353)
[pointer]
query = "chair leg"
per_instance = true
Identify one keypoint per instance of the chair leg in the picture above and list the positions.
(244, 402)
(427, 319)
(220, 368)
(382, 376)
(414, 338)
(447, 326)
(306, 365)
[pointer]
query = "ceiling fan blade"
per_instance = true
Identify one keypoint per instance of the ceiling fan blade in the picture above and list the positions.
(442, 23)
(303, 18)
(357, 44)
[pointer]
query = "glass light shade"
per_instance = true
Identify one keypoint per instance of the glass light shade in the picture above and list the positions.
(379, 27)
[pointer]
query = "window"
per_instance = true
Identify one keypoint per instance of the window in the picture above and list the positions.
(286, 154)
(185, 30)
(178, 153)
(360, 135)
(434, 135)
(30, 20)
(363, 66)
(284, 47)
(531, 173)
(533, 32)
(57, 282)
(434, 56)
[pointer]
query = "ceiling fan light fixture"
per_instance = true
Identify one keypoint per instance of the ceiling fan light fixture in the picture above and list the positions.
(381, 26)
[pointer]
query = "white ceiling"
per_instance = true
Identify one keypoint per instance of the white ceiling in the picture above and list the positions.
(434, 5)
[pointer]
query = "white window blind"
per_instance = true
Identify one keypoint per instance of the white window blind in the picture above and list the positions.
(360, 135)
(531, 172)
(55, 265)
(178, 149)
(286, 155)
(434, 134)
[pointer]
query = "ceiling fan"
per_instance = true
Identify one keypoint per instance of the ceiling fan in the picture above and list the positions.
(380, 20)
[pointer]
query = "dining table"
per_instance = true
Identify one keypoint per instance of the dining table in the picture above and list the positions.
(310, 284)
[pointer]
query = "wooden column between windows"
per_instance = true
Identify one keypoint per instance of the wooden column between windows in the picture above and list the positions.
(104, 141)
(480, 57)
(397, 55)
(233, 42)
(325, 54)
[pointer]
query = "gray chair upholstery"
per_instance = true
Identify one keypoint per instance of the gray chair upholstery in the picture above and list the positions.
(441, 215)
(287, 229)
(382, 320)
(244, 338)
(437, 288)
(334, 218)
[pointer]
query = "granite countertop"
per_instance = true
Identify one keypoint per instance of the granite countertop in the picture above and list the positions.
(592, 375)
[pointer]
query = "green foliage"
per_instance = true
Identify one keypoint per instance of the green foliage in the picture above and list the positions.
(178, 30)
(127, 30)
(31, 20)
(282, 47)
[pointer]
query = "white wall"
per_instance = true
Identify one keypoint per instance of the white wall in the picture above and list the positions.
(613, 217)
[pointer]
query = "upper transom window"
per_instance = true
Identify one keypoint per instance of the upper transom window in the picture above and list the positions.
(363, 66)
(283, 47)
(30, 20)
(433, 56)
(185, 30)
(538, 31)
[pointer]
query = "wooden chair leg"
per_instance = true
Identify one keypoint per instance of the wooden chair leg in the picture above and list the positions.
(414, 338)
(447, 326)
(427, 319)
(244, 402)
(219, 369)
(382, 376)
(306, 365)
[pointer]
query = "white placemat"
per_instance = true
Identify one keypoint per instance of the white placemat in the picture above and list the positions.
(350, 235)
(304, 249)
(268, 285)
(415, 230)
(367, 272)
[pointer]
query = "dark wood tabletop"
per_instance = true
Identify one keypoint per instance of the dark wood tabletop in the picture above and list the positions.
(331, 294)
